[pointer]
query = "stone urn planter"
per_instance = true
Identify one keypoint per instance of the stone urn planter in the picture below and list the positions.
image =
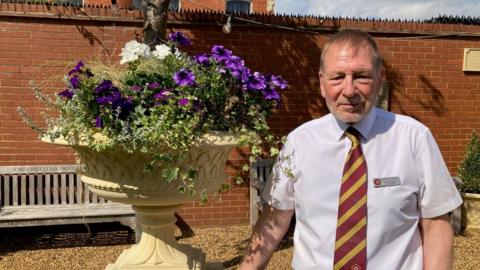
(119, 176)
(471, 211)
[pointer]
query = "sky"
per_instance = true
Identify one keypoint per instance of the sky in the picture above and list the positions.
(384, 9)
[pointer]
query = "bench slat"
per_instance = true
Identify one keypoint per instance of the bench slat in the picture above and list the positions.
(71, 189)
(47, 190)
(79, 190)
(40, 189)
(55, 189)
(23, 189)
(31, 189)
(63, 189)
(64, 211)
(87, 193)
(6, 190)
(14, 190)
(94, 197)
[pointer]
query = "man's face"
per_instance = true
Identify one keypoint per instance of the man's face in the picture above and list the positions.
(349, 82)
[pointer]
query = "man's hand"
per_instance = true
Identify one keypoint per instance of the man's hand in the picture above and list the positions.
(437, 237)
(269, 231)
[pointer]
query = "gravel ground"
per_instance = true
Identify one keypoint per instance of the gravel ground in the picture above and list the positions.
(80, 247)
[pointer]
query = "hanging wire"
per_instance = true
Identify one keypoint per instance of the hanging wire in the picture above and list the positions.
(227, 27)
(230, 16)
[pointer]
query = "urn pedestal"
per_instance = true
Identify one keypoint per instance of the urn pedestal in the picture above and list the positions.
(119, 176)
(471, 211)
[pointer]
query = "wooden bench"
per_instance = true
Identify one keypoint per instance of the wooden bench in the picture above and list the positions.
(51, 195)
(259, 174)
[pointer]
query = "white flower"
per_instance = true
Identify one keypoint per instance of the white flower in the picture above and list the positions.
(161, 51)
(132, 50)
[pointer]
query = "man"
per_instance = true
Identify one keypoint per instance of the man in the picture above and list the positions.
(369, 188)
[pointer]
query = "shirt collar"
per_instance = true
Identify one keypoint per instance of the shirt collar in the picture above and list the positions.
(363, 126)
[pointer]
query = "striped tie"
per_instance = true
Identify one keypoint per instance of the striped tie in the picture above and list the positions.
(351, 236)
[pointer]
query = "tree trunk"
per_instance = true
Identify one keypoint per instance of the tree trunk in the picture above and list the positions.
(155, 21)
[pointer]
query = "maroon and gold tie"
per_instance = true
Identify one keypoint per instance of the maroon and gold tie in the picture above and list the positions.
(351, 236)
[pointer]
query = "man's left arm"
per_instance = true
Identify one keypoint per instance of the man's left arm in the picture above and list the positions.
(437, 238)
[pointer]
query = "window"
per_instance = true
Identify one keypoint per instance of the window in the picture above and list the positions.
(238, 6)
(174, 4)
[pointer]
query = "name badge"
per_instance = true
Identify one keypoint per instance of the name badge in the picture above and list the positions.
(386, 181)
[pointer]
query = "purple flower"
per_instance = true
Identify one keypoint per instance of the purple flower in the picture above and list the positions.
(242, 75)
(179, 38)
(75, 82)
(203, 59)
(67, 93)
(125, 106)
(104, 86)
(183, 102)
(256, 81)
(99, 122)
(237, 68)
(198, 105)
(277, 81)
(221, 54)
(164, 94)
(153, 85)
(113, 98)
(136, 88)
(270, 94)
(235, 63)
(77, 68)
(184, 77)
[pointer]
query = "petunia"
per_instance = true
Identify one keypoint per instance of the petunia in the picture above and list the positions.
(99, 122)
(153, 85)
(125, 106)
(75, 82)
(198, 105)
(184, 77)
(164, 94)
(104, 86)
(221, 54)
(270, 94)
(161, 51)
(179, 38)
(77, 68)
(203, 59)
(256, 81)
(235, 63)
(183, 102)
(67, 93)
(133, 50)
(277, 81)
(136, 88)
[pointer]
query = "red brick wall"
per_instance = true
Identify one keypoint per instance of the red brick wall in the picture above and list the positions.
(258, 6)
(218, 5)
(425, 76)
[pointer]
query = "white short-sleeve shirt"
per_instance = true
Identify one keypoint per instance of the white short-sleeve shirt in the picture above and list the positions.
(307, 177)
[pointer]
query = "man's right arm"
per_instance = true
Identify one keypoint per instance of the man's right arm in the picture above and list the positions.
(269, 231)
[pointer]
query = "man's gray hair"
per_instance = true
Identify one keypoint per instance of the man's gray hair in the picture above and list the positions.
(353, 38)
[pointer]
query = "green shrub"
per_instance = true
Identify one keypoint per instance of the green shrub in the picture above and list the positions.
(469, 170)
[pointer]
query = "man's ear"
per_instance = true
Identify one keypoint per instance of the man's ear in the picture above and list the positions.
(321, 79)
(381, 74)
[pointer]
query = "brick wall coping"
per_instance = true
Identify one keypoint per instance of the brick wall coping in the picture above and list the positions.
(298, 23)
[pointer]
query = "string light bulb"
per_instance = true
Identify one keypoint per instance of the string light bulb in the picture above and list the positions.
(227, 27)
